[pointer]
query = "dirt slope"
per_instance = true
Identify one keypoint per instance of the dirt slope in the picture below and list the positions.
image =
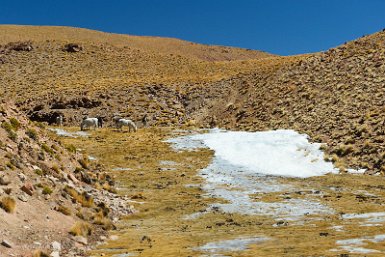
(47, 191)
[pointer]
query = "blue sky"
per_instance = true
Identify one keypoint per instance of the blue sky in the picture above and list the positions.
(278, 26)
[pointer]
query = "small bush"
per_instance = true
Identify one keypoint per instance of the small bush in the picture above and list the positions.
(81, 228)
(10, 130)
(47, 190)
(15, 123)
(84, 199)
(47, 149)
(55, 168)
(71, 148)
(32, 134)
(39, 172)
(39, 253)
(8, 204)
(64, 210)
(83, 163)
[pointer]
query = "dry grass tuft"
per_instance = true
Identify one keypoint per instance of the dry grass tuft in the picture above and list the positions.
(81, 228)
(8, 204)
(84, 199)
(63, 209)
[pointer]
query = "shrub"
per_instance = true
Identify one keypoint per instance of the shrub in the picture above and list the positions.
(84, 199)
(15, 123)
(71, 148)
(32, 134)
(83, 163)
(47, 190)
(39, 253)
(55, 168)
(39, 172)
(47, 149)
(8, 204)
(64, 210)
(81, 228)
(10, 130)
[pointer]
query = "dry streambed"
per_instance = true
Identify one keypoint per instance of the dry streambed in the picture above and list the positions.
(190, 203)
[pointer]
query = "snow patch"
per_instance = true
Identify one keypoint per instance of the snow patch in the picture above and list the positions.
(65, 133)
(232, 245)
(278, 152)
(355, 245)
(248, 163)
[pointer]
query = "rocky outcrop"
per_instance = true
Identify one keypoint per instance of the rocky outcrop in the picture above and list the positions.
(72, 48)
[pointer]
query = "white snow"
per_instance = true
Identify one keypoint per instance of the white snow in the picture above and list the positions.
(278, 152)
(65, 133)
(247, 163)
(354, 245)
(232, 245)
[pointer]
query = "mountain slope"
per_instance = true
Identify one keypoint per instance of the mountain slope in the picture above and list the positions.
(168, 46)
(337, 97)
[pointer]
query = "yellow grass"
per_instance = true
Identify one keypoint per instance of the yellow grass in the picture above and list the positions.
(166, 200)
(8, 204)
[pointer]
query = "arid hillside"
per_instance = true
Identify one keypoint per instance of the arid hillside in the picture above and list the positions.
(52, 198)
(83, 72)
(337, 96)
(156, 45)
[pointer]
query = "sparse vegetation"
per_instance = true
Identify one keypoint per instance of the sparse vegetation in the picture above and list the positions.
(71, 148)
(63, 209)
(81, 228)
(46, 190)
(10, 130)
(32, 134)
(84, 199)
(47, 149)
(39, 253)
(14, 123)
(8, 204)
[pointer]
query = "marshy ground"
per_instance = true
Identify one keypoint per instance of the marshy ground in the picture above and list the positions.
(176, 217)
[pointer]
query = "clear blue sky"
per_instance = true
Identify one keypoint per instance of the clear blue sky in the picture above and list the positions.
(278, 26)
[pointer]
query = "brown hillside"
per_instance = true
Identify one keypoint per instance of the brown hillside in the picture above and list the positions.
(168, 46)
(46, 188)
(337, 97)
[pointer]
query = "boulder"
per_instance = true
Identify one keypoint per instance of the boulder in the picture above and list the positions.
(28, 188)
(4, 180)
(6, 243)
(72, 48)
(56, 246)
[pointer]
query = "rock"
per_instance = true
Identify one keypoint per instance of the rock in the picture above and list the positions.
(81, 239)
(55, 254)
(73, 178)
(37, 243)
(23, 198)
(114, 237)
(28, 188)
(6, 244)
(22, 177)
(56, 246)
(72, 48)
(4, 180)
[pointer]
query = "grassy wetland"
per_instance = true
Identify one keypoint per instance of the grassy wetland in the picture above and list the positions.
(175, 216)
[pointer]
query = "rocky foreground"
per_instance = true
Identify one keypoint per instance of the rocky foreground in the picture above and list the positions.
(53, 200)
